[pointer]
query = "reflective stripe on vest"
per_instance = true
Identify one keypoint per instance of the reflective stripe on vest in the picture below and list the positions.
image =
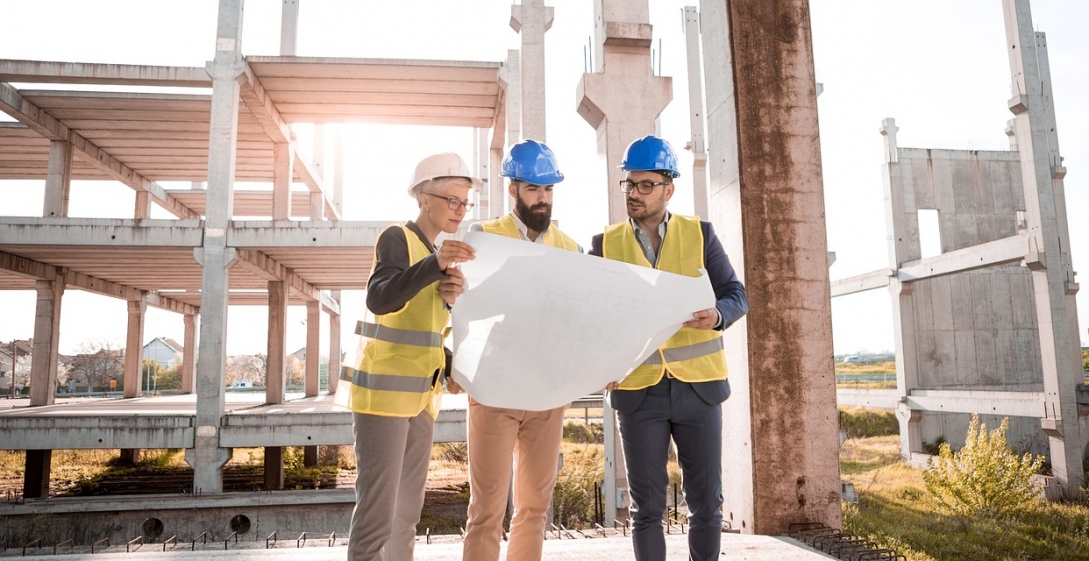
(689, 352)
(400, 352)
(506, 226)
(394, 335)
(692, 355)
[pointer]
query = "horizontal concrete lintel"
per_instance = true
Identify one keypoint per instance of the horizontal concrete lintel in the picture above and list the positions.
(998, 252)
(1014, 404)
(101, 232)
(628, 34)
(62, 505)
(267, 234)
(861, 283)
(95, 438)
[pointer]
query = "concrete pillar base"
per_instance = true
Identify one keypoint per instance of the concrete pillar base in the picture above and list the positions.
(274, 467)
(129, 456)
(310, 455)
(36, 477)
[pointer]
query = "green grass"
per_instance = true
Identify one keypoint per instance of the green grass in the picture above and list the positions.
(897, 512)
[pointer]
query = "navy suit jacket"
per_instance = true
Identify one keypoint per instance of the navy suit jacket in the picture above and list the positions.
(730, 300)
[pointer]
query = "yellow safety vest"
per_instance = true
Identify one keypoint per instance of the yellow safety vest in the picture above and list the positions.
(401, 352)
(506, 226)
(692, 355)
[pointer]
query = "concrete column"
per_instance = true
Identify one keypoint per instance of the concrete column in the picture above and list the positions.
(58, 179)
(531, 20)
(289, 27)
(282, 171)
(43, 362)
(1052, 276)
(903, 239)
(695, 111)
(189, 342)
(512, 75)
(36, 480)
(792, 472)
(338, 173)
(275, 361)
(481, 159)
(43, 379)
(143, 205)
(133, 374)
(274, 467)
(497, 197)
(313, 347)
(621, 99)
(317, 200)
(207, 457)
(129, 456)
(334, 347)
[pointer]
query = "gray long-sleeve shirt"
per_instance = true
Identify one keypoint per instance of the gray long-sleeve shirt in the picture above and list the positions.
(393, 282)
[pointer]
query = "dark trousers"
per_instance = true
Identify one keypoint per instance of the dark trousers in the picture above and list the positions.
(672, 409)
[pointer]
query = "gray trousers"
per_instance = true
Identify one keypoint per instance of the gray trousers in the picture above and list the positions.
(392, 456)
(672, 409)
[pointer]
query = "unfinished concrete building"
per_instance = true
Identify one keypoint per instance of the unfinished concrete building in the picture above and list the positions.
(989, 326)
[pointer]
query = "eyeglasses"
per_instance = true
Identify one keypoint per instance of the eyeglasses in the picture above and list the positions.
(644, 187)
(453, 202)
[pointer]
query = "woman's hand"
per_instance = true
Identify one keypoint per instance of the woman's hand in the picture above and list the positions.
(453, 251)
(451, 285)
(703, 319)
(453, 387)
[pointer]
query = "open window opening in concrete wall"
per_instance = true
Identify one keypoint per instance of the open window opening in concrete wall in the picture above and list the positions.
(930, 237)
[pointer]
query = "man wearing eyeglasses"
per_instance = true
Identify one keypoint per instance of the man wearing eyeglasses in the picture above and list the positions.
(678, 391)
(497, 435)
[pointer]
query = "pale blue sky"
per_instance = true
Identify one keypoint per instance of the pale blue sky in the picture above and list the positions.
(939, 68)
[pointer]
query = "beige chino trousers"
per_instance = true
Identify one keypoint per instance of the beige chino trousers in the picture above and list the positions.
(496, 437)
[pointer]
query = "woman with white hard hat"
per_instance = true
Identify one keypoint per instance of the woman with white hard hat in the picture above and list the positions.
(394, 387)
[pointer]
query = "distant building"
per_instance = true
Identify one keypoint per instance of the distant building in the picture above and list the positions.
(166, 352)
(10, 353)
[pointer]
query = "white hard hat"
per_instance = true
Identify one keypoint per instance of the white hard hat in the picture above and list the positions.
(441, 165)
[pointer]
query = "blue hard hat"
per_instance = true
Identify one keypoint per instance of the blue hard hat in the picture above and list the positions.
(532, 162)
(650, 153)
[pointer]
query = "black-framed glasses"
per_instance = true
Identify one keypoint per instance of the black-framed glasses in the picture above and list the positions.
(644, 187)
(453, 202)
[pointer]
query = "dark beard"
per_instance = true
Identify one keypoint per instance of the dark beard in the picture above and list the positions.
(532, 220)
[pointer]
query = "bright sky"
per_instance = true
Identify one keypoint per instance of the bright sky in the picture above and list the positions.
(939, 68)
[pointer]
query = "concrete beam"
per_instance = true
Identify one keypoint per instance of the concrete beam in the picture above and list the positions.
(861, 283)
(258, 234)
(35, 71)
(998, 252)
(1013, 404)
(264, 110)
(86, 432)
(271, 270)
(101, 232)
(12, 103)
(42, 271)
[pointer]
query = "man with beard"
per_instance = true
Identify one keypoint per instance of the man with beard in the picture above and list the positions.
(678, 391)
(498, 435)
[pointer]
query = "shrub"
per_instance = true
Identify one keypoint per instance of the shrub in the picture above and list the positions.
(983, 477)
(582, 433)
(573, 497)
(864, 423)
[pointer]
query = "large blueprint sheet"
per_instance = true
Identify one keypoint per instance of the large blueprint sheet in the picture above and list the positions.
(538, 327)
